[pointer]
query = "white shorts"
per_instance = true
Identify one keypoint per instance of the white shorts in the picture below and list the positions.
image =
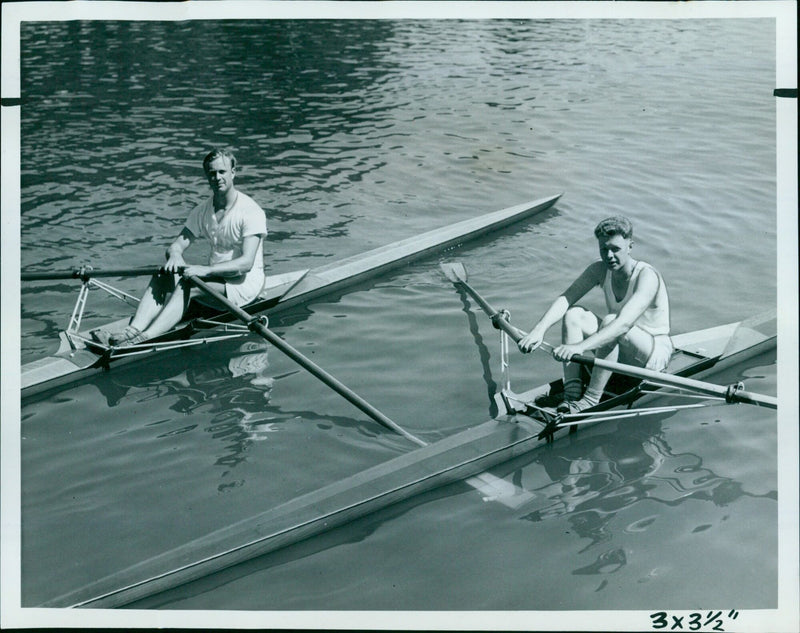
(244, 289)
(641, 348)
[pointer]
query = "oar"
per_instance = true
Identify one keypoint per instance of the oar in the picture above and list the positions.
(84, 272)
(731, 393)
(256, 325)
(457, 273)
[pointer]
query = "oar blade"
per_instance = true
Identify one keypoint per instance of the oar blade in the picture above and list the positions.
(454, 271)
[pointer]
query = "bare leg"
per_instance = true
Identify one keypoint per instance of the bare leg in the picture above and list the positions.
(636, 340)
(578, 323)
(600, 377)
(175, 306)
(155, 298)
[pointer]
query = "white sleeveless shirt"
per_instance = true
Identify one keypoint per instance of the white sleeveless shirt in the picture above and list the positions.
(655, 319)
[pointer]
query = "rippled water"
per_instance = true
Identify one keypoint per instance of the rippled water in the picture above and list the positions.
(352, 134)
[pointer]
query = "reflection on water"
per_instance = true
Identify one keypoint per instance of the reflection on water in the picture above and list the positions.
(491, 385)
(232, 388)
(228, 390)
(596, 479)
(235, 394)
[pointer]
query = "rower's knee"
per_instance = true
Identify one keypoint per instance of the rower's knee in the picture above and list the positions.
(577, 324)
(575, 318)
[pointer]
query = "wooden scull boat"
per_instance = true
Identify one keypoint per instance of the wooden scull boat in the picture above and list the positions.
(513, 433)
(79, 356)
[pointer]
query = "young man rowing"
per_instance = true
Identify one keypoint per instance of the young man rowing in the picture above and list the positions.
(635, 331)
(235, 227)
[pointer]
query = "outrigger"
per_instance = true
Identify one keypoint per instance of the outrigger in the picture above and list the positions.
(513, 432)
(80, 356)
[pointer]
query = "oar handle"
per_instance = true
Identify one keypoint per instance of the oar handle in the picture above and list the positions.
(256, 325)
(85, 272)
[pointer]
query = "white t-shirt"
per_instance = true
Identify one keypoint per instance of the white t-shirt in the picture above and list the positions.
(226, 236)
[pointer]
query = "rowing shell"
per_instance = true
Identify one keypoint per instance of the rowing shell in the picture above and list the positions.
(452, 459)
(78, 357)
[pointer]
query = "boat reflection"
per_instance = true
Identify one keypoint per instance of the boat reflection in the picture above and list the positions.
(595, 477)
(191, 369)
(224, 391)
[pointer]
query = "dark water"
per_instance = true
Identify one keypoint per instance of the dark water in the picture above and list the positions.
(352, 134)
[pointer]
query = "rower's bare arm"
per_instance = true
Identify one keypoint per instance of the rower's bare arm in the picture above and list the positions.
(175, 251)
(592, 276)
(554, 313)
(643, 295)
(587, 280)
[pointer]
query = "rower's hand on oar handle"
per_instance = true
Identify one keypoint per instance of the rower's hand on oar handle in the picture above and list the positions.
(175, 264)
(497, 317)
(530, 341)
(566, 352)
(193, 270)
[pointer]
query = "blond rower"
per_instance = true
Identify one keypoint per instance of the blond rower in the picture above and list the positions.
(635, 330)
